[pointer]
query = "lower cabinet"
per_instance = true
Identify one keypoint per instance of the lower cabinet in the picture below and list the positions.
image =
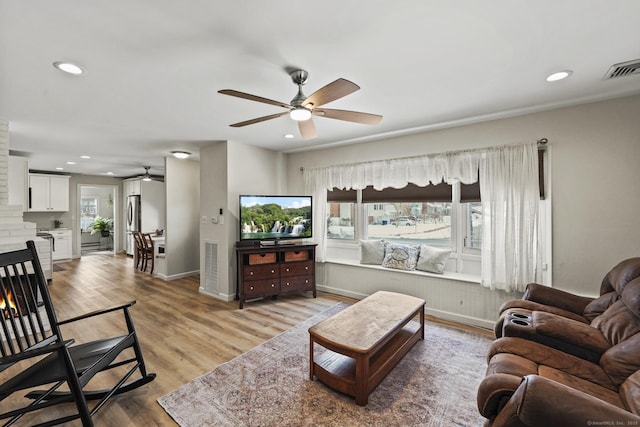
(62, 244)
(273, 270)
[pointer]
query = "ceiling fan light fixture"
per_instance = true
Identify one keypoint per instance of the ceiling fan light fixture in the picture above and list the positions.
(178, 154)
(146, 178)
(300, 114)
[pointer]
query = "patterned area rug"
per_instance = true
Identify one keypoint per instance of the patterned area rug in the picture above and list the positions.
(433, 385)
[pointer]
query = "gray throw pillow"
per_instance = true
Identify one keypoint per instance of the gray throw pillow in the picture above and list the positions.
(372, 251)
(432, 259)
(400, 256)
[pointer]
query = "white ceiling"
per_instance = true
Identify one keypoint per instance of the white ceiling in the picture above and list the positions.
(154, 68)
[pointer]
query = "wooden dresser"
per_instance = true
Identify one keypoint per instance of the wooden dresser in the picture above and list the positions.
(275, 269)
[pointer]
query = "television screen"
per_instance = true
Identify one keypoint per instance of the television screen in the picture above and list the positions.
(275, 217)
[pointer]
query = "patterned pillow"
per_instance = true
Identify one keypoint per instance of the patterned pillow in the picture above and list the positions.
(372, 251)
(401, 257)
(432, 259)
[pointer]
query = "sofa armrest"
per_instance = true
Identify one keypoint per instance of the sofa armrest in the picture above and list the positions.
(494, 392)
(567, 335)
(539, 401)
(556, 298)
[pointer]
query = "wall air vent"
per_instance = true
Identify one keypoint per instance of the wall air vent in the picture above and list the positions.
(623, 69)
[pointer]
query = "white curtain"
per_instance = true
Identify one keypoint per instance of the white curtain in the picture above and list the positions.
(510, 198)
(511, 169)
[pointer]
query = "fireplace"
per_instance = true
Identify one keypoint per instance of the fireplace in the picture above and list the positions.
(18, 296)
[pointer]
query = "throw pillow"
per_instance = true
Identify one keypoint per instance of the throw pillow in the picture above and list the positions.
(401, 257)
(372, 251)
(432, 259)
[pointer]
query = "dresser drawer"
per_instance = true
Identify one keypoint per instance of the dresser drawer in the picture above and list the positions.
(264, 258)
(297, 283)
(302, 268)
(296, 256)
(258, 288)
(258, 272)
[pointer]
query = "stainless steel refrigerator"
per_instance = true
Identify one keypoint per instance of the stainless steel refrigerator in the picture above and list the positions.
(133, 221)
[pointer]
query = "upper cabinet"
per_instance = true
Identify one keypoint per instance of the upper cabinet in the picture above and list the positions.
(132, 187)
(48, 193)
(19, 182)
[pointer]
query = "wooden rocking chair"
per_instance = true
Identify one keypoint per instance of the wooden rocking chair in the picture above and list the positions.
(35, 354)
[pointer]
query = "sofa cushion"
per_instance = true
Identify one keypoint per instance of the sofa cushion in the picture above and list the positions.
(622, 360)
(577, 383)
(372, 251)
(401, 257)
(630, 393)
(432, 259)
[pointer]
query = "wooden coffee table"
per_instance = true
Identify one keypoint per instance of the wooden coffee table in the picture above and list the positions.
(365, 341)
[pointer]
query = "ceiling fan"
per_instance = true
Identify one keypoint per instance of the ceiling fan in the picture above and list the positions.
(148, 177)
(301, 107)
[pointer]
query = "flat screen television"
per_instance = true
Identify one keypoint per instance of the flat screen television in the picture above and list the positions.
(275, 217)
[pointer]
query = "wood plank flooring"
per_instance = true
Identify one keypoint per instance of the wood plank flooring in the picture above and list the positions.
(183, 333)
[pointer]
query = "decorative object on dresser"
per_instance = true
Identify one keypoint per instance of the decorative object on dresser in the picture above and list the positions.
(274, 269)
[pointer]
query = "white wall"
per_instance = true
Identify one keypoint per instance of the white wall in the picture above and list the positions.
(182, 186)
(595, 149)
(230, 169)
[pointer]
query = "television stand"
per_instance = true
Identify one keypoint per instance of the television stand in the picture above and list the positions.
(271, 270)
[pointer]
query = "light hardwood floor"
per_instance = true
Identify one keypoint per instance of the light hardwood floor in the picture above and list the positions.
(183, 333)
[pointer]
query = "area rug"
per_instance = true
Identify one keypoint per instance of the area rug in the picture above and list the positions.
(433, 385)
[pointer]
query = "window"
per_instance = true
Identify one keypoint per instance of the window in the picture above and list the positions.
(473, 216)
(341, 221)
(420, 222)
(88, 212)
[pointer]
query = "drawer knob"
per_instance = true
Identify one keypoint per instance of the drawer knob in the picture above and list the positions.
(251, 273)
(287, 269)
(272, 271)
(251, 287)
(306, 267)
(287, 283)
(306, 281)
(273, 285)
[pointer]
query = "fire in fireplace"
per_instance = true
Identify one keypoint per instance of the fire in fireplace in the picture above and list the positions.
(18, 299)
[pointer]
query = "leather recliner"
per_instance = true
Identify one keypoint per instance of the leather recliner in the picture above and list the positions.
(604, 369)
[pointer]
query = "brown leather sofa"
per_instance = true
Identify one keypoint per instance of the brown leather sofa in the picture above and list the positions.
(552, 300)
(545, 364)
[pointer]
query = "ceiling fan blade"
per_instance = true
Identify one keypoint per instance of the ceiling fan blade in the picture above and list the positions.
(250, 97)
(307, 129)
(334, 90)
(349, 116)
(259, 119)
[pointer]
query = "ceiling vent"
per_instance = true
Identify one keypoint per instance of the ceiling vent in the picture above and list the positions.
(623, 69)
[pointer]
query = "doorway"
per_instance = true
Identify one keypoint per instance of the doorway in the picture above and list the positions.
(97, 220)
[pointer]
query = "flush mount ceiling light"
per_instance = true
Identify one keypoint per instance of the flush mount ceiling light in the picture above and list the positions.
(560, 75)
(288, 136)
(180, 154)
(68, 67)
(300, 114)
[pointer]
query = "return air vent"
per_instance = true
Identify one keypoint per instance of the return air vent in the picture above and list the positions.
(211, 266)
(623, 69)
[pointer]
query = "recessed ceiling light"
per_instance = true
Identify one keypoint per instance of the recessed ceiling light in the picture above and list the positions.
(59, 169)
(85, 157)
(71, 163)
(178, 154)
(68, 67)
(560, 75)
(109, 173)
(289, 136)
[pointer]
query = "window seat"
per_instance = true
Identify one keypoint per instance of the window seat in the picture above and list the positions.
(461, 277)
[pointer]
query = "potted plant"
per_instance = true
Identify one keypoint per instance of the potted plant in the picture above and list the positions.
(102, 225)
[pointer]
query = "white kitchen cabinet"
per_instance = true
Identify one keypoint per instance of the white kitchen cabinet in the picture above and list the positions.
(48, 193)
(62, 244)
(132, 187)
(19, 182)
